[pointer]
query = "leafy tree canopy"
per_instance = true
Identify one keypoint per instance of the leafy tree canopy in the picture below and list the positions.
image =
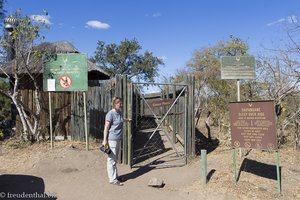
(2, 11)
(211, 92)
(20, 45)
(125, 59)
(4, 102)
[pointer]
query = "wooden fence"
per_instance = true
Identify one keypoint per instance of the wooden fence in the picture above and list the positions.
(181, 124)
(67, 110)
(68, 113)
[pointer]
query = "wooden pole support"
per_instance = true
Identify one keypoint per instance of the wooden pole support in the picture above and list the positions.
(234, 166)
(50, 118)
(203, 166)
(85, 122)
(278, 172)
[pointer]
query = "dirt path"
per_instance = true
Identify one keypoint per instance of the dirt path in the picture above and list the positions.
(69, 172)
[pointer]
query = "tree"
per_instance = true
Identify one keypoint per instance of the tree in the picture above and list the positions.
(280, 76)
(279, 79)
(125, 59)
(279, 84)
(4, 102)
(2, 11)
(293, 48)
(24, 36)
(211, 93)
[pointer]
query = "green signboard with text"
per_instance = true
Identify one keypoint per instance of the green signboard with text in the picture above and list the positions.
(238, 67)
(65, 72)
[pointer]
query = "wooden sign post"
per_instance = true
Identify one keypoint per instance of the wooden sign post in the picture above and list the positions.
(253, 126)
(64, 73)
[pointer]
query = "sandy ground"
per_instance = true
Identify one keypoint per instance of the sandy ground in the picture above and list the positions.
(69, 172)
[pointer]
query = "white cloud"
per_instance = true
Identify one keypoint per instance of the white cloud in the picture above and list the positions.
(97, 25)
(156, 15)
(276, 22)
(41, 19)
(289, 19)
(153, 15)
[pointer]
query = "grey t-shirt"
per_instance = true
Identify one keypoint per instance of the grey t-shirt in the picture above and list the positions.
(116, 125)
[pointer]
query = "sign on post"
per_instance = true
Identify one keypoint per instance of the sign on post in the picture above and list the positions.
(161, 102)
(65, 72)
(238, 67)
(253, 125)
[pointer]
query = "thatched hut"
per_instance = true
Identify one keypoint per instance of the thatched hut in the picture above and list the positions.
(36, 66)
(67, 106)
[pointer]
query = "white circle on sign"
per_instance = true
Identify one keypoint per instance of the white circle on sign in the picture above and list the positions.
(236, 144)
(247, 144)
(65, 81)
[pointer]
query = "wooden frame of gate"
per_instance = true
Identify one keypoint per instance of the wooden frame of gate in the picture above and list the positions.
(161, 132)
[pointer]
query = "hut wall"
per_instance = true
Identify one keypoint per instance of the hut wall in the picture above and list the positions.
(61, 109)
(67, 110)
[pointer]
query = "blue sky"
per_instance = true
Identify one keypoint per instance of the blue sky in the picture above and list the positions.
(171, 29)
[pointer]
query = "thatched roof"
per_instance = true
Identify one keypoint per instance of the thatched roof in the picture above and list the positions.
(36, 67)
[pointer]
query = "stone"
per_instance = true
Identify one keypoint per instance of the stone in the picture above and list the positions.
(156, 182)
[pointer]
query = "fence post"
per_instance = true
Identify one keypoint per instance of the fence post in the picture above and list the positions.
(85, 123)
(188, 117)
(174, 117)
(203, 166)
(125, 115)
(192, 95)
(189, 80)
(129, 123)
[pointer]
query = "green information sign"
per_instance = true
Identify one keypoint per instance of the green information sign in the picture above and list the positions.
(65, 72)
(238, 67)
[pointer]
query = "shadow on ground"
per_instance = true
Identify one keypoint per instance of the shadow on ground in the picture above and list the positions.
(203, 142)
(135, 174)
(23, 187)
(259, 169)
(147, 144)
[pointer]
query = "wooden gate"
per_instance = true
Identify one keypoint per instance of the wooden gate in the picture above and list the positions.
(161, 132)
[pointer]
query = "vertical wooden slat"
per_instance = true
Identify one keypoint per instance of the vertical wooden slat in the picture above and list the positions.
(190, 123)
(72, 117)
(167, 107)
(129, 115)
(53, 107)
(186, 129)
(192, 85)
(178, 119)
(64, 115)
(119, 83)
(137, 105)
(125, 129)
(173, 118)
(161, 108)
(68, 127)
(90, 109)
(188, 118)
(85, 121)
(191, 112)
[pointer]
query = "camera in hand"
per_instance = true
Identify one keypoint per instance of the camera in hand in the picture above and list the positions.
(105, 149)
